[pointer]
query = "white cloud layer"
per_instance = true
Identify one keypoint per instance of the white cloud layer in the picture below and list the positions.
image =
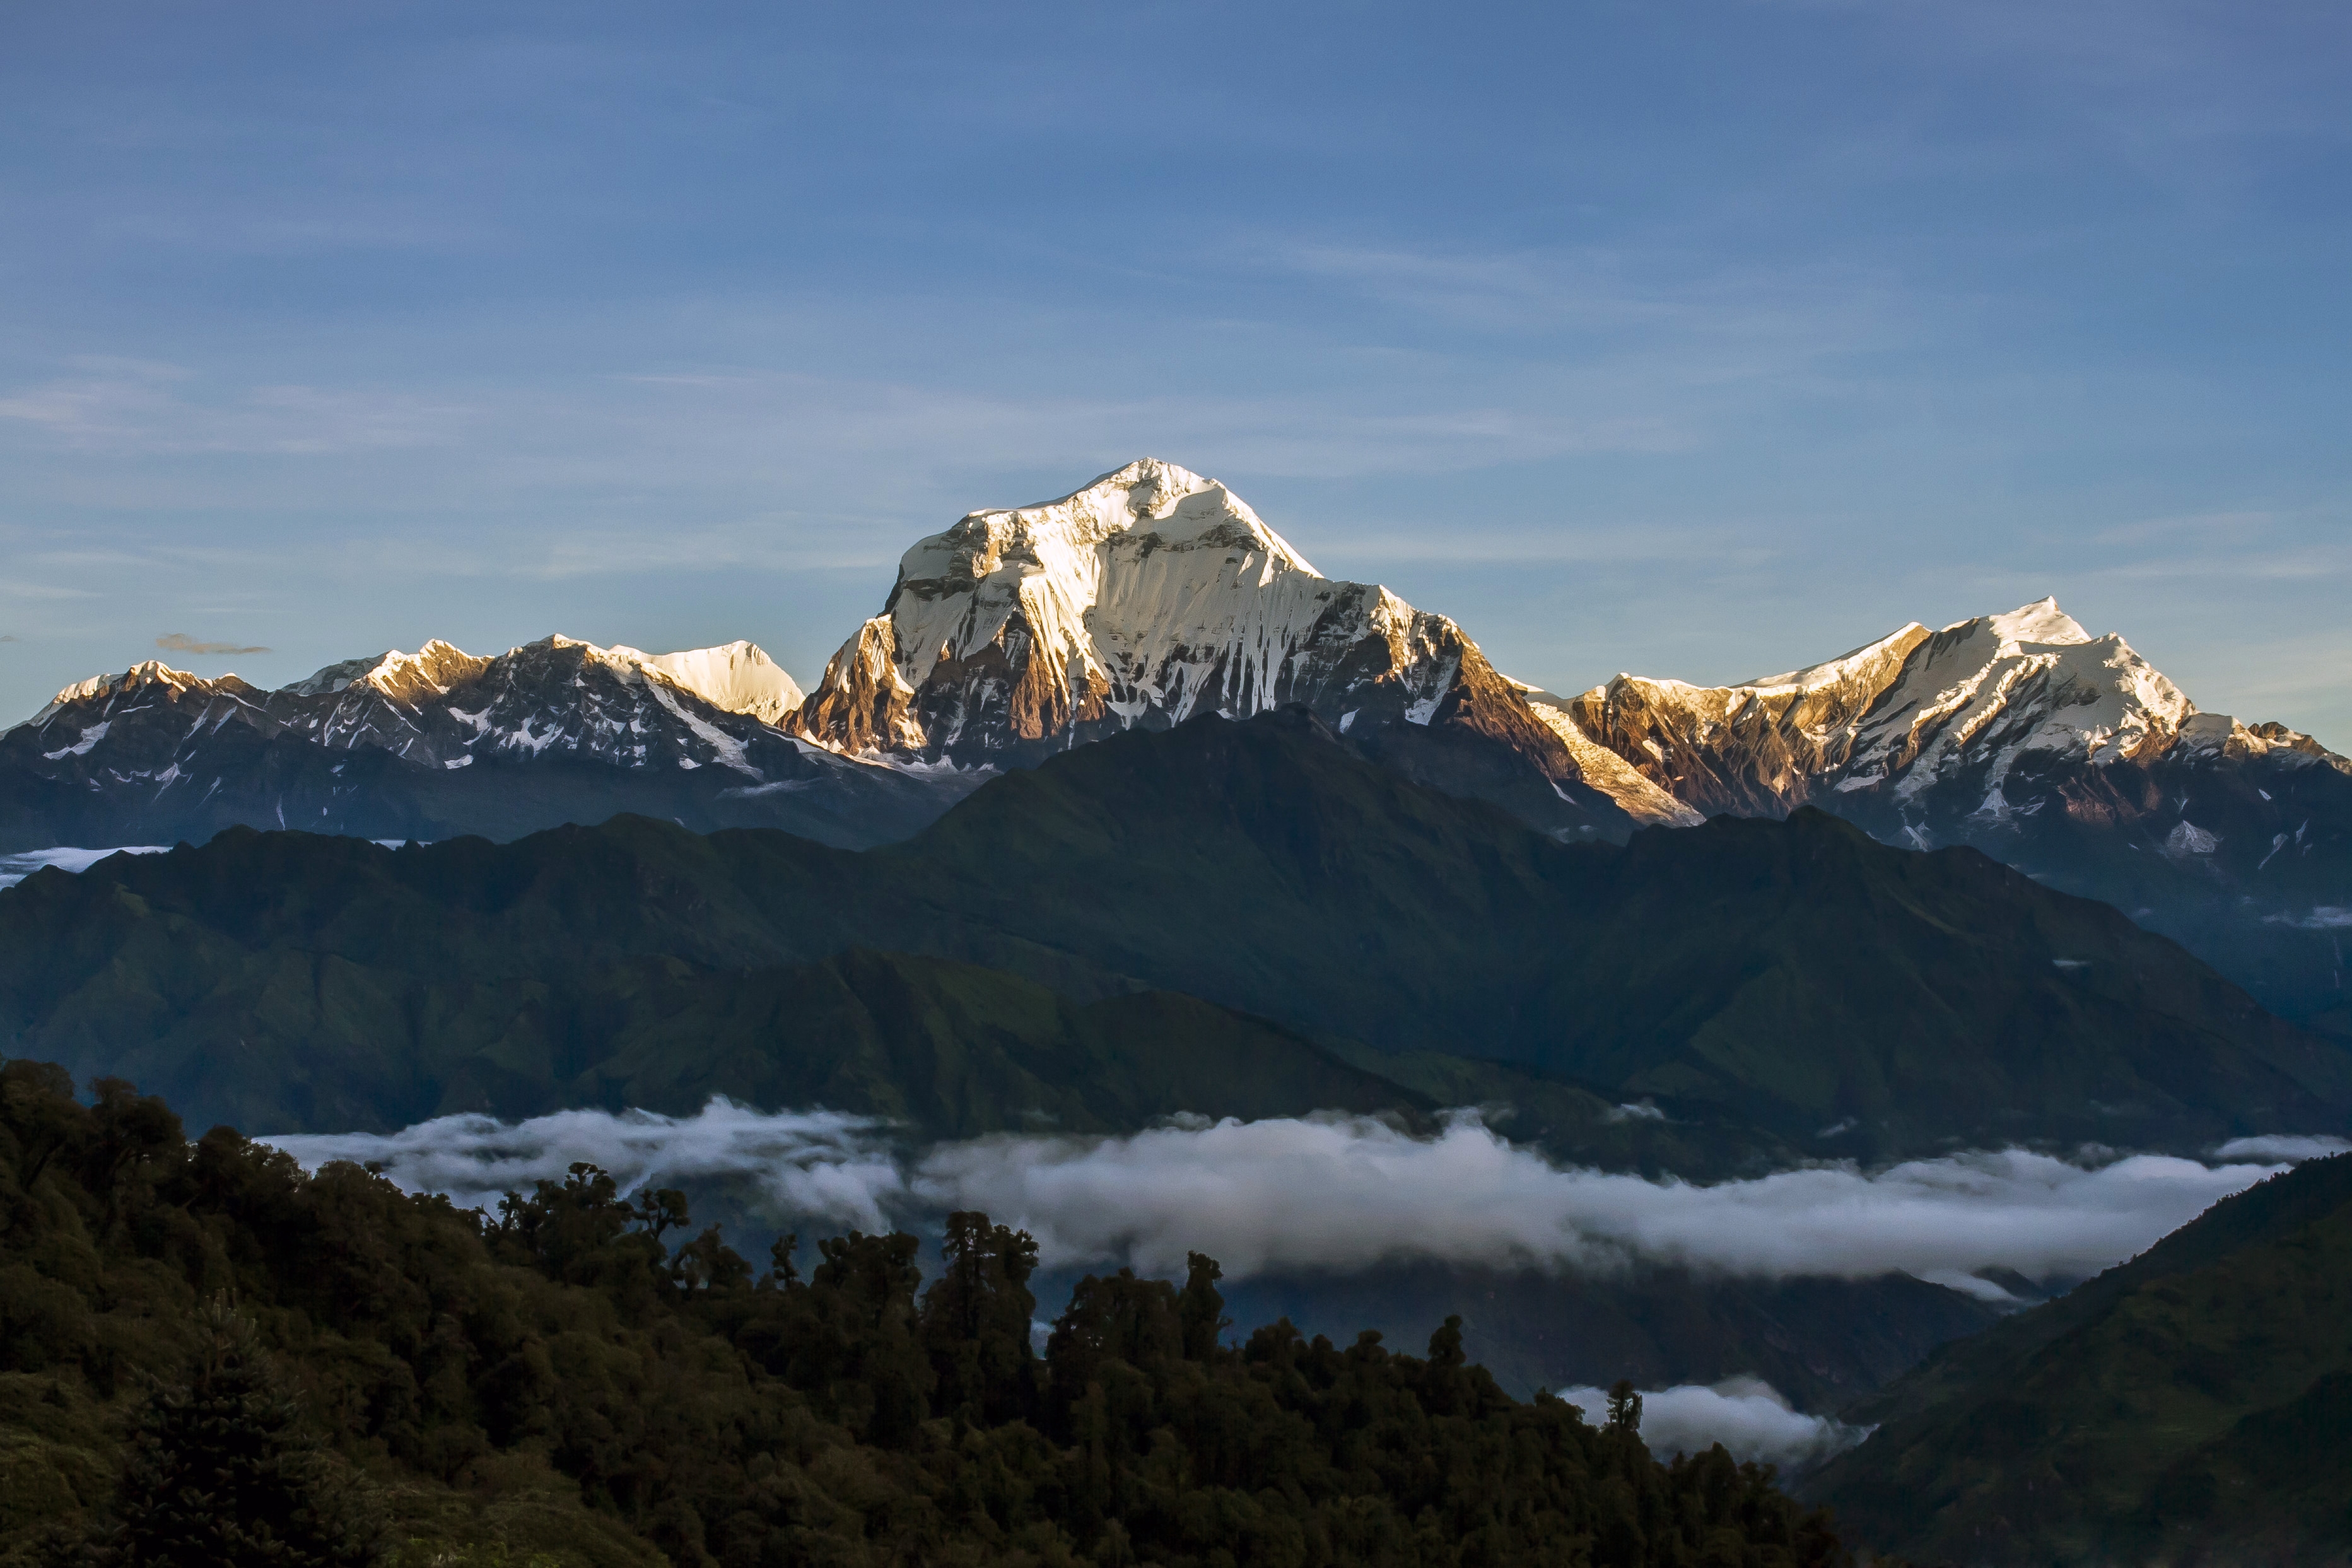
(1342, 1193)
(1748, 1415)
(1347, 1193)
(820, 1163)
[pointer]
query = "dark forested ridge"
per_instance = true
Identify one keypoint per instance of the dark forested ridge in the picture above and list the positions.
(207, 1356)
(1745, 972)
(2193, 1406)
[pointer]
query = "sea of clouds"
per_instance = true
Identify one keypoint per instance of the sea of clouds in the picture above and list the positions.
(1342, 1193)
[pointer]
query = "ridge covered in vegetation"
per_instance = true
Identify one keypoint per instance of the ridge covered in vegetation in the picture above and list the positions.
(1329, 917)
(2193, 1406)
(207, 1355)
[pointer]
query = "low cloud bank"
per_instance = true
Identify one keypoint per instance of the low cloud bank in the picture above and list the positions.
(819, 1164)
(1342, 1193)
(1748, 1415)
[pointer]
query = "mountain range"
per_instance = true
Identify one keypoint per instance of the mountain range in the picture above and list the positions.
(1793, 984)
(1120, 813)
(1242, 919)
(1153, 595)
(439, 742)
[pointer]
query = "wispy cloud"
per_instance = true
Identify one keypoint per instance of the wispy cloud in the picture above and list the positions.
(180, 642)
(138, 407)
(2282, 1148)
(1687, 319)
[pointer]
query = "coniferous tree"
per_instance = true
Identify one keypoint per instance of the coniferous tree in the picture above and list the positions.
(223, 1471)
(1624, 1407)
(975, 1321)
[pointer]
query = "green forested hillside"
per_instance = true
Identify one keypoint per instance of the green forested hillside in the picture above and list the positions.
(341, 1370)
(1774, 978)
(1822, 1343)
(2191, 1406)
(280, 1037)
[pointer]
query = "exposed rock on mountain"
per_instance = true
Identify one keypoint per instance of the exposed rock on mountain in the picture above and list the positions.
(2063, 754)
(439, 742)
(1910, 713)
(1151, 596)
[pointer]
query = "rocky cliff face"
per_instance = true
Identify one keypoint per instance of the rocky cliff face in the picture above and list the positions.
(1758, 748)
(1153, 595)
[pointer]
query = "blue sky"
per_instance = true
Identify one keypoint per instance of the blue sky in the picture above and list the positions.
(1693, 339)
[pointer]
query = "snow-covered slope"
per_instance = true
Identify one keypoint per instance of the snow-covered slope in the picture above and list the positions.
(1153, 595)
(573, 732)
(1980, 696)
(556, 697)
(739, 677)
(1645, 802)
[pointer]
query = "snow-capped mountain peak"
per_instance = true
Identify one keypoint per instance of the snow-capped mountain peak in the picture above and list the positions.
(1152, 595)
(2040, 622)
(1123, 597)
(442, 741)
(146, 673)
(1049, 563)
(406, 677)
(734, 677)
(1995, 688)
(1913, 710)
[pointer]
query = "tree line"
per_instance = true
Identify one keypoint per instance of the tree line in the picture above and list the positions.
(208, 1355)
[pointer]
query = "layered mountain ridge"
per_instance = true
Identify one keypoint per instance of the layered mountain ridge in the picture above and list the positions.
(1153, 595)
(1740, 975)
